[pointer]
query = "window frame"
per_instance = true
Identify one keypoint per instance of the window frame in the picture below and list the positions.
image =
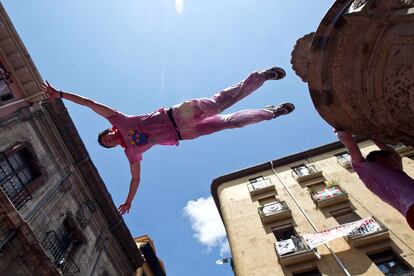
(5, 77)
(388, 255)
(344, 211)
(32, 161)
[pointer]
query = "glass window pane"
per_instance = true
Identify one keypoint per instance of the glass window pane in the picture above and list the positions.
(389, 262)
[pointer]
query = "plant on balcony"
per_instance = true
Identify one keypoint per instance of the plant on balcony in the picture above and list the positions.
(330, 189)
(328, 184)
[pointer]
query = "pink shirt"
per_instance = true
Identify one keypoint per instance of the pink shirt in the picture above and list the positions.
(141, 132)
(391, 185)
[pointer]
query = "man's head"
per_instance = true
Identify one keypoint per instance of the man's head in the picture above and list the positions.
(108, 138)
(383, 157)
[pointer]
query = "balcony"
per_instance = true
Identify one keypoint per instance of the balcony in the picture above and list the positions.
(372, 232)
(403, 149)
(304, 173)
(260, 186)
(294, 251)
(344, 160)
(274, 211)
(58, 254)
(329, 196)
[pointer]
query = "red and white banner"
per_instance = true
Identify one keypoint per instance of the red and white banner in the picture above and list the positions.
(359, 227)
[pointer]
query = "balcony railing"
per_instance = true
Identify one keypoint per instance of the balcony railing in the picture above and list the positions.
(403, 149)
(59, 254)
(260, 186)
(12, 185)
(329, 196)
(274, 211)
(294, 251)
(305, 172)
(372, 232)
(344, 161)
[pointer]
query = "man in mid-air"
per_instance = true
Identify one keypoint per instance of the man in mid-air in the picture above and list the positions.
(185, 121)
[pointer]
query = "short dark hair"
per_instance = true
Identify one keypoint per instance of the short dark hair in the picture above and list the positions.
(372, 156)
(102, 134)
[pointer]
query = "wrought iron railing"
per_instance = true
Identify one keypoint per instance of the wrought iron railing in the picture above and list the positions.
(290, 246)
(59, 254)
(12, 185)
(304, 170)
(259, 184)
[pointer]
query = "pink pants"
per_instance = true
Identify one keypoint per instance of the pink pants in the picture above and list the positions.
(199, 117)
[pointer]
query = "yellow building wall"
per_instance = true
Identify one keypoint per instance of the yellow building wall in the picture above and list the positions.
(252, 242)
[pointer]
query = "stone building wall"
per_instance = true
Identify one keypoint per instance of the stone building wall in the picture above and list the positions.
(54, 207)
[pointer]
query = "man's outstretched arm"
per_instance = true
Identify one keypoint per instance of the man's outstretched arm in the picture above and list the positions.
(133, 187)
(351, 145)
(101, 109)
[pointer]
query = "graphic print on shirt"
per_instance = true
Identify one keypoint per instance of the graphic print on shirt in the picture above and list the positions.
(137, 138)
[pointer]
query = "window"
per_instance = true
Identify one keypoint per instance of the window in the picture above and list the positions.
(343, 158)
(304, 170)
(345, 215)
(397, 146)
(61, 245)
(316, 187)
(69, 234)
(313, 272)
(284, 232)
(270, 199)
(5, 80)
(288, 241)
(17, 172)
(301, 170)
(389, 263)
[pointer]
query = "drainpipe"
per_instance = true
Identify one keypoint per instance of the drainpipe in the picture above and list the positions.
(310, 221)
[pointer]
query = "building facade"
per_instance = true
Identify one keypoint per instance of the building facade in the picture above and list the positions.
(153, 266)
(56, 215)
(268, 207)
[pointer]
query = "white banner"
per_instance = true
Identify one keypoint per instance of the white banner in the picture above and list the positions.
(359, 227)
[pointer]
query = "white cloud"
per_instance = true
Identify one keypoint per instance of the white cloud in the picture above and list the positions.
(179, 6)
(206, 224)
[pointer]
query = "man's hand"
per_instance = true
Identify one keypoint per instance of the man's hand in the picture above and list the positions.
(124, 208)
(50, 91)
(344, 137)
(350, 143)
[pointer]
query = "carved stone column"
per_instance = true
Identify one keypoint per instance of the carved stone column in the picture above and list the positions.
(359, 66)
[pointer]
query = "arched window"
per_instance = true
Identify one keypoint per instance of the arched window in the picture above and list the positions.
(19, 175)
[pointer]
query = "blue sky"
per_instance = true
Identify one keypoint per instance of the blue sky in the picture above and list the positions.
(139, 55)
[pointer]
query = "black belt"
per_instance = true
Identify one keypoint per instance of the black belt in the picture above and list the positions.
(171, 117)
